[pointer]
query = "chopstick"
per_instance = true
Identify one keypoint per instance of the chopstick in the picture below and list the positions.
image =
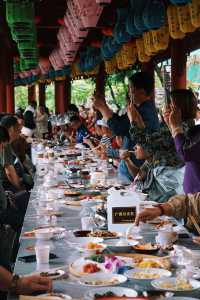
(194, 222)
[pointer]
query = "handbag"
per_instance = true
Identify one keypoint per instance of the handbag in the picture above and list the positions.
(7, 238)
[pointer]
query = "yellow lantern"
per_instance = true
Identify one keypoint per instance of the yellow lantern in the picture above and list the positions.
(129, 54)
(195, 13)
(148, 43)
(174, 26)
(111, 65)
(185, 19)
(119, 59)
(161, 38)
(141, 51)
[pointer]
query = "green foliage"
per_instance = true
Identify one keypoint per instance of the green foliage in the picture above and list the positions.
(21, 96)
(82, 90)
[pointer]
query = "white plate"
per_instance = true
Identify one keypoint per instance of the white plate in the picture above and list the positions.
(54, 297)
(158, 282)
(160, 272)
(90, 203)
(83, 248)
(76, 267)
(118, 291)
(118, 235)
(180, 298)
(119, 244)
(84, 240)
(61, 273)
(105, 277)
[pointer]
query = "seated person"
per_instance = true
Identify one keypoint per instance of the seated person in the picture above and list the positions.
(8, 174)
(179, 206)
(65, 134)
(23, 285)
(23, 164)
(80, 129)
(161, 174)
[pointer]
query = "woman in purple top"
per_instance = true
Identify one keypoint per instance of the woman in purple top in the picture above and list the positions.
(179, 117)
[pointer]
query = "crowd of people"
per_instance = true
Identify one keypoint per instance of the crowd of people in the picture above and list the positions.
(159, 157)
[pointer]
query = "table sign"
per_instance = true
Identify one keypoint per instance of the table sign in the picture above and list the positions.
(122, 208)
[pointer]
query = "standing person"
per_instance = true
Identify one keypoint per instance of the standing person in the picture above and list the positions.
(180, 119)
(29, 116)
(141, 86)
(41, 122)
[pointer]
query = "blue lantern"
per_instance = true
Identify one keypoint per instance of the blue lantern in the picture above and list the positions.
(154, 14)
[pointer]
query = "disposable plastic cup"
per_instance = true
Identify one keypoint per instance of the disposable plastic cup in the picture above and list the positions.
(42, 254)
(87, 223)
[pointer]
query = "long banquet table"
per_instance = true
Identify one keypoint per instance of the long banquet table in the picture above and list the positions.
(66, 254)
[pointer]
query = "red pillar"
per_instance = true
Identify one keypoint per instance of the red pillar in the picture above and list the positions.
(149, 67)
(100, 80)
(31, 93)
(42, 94)
(68, 93)
(3, 75)
(57, 97)
(62, 95)
(10, 94)
(178, 65)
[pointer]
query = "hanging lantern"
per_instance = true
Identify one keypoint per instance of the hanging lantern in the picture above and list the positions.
(195, 13)
(184, 19)
(96, 44)
(107, 31)
(174, 26)
(111, 65)
(141, 51)
(161, 38)
(149, 47)
(154, 14)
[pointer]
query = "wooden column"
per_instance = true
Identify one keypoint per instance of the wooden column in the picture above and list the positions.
(62, 95)
(178, 65)
(149, 68)
(68, 93)
(42, 93)
(3, 73)
(31, 93)
(10, 94)
(57, 97)
(100, 80)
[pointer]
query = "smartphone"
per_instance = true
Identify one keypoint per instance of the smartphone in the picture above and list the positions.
(32, 258)
(167, 97)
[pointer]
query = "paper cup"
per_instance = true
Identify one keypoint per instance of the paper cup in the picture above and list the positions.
(87, 223)
(42, 254)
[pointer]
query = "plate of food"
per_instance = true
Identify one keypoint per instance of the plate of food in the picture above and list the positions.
(90, 202)
(54, 296)
(105, 234)
(110, 293)
(147, 274)
(160, 263)
(84, 240)
(72, 193)
(91, 248)
(102, 279)
(175, 284)
(84, 266)
(146, 248)
(53, 274)
(120, 245)
(81, 233)
(44, 233)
